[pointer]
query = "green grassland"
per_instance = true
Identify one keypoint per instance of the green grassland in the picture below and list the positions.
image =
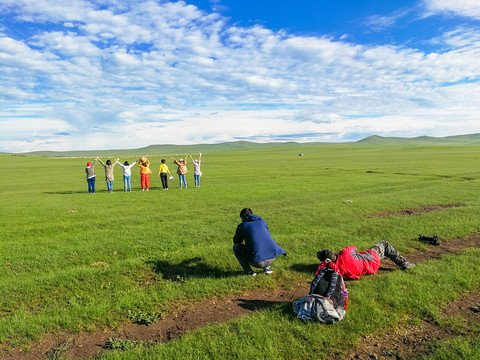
(71, 261)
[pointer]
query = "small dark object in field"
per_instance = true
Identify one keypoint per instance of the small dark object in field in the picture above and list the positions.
(431, 240)
(476, 308)
(300, 154)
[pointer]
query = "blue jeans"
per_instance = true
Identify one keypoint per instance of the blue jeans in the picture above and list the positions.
(127, 184)
(110, 185)
(91, 185)
(197, 180)
(184, 179)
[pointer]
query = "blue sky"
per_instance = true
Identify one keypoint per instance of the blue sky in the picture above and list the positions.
(107, 74)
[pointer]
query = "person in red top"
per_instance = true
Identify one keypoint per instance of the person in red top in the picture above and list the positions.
(352, 264)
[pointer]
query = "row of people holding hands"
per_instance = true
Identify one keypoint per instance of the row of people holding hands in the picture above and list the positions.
(145, 171)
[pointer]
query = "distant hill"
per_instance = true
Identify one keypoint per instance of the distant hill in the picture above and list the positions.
(163, 149)
(471, 139)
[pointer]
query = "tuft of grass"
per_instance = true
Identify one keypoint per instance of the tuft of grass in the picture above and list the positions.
(145, 317)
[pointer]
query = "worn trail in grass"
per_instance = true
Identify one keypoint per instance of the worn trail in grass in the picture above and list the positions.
(185, 318)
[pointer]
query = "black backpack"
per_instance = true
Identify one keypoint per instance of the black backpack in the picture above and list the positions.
(328, 297)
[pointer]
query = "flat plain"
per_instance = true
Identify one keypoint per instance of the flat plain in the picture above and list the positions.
(75, 263)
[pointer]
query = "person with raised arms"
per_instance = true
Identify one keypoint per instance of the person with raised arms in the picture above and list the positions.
(196, 169)
(181, 170)
(127, 175)
(109, 177)
(145, 172)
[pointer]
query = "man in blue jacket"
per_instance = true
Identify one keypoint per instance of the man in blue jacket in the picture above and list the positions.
(259, 250)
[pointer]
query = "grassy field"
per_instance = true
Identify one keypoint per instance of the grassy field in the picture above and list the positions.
(76, 262)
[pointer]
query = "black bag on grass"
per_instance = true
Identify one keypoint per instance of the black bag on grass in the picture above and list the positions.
(328, 297)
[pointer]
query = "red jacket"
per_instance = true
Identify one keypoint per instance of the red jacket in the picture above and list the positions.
(352, 264)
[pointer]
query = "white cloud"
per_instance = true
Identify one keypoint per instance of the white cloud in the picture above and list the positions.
(467, 8)
(150, 72)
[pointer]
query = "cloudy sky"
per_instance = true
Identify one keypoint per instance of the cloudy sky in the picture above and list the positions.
(106, 74)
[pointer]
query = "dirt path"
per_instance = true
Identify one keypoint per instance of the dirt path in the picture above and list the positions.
(409, 342)
(215, 310)
(408, 212)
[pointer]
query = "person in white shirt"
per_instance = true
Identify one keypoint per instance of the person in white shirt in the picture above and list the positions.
(127, 175)
(196, 169)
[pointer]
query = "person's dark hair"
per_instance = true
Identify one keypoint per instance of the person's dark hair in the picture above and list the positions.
(109, 162)
(163, 161)
(126, 163)
(245, 212)
(323, 255)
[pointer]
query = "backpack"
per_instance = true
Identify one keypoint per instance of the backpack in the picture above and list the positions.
(328, 298)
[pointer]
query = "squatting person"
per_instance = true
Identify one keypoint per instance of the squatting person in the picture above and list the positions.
(253, 245)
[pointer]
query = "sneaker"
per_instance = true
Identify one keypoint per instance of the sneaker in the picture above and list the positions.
(251, 273)
(407, 266)
(268, 271)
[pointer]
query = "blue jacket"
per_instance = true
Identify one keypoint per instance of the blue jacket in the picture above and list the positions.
(258, 241)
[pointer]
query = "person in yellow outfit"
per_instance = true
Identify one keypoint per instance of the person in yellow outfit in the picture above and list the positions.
(162, 172)
(145, 172)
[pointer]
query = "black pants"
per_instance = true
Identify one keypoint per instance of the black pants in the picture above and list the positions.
(240, 251)
(164, 178)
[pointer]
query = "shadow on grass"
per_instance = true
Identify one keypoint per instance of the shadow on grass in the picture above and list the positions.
(305, 268)
(66, 192)
(194, 267)
(387, 269)
(97, 191)
(255, 305)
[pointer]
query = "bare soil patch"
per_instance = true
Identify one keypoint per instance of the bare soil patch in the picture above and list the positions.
(422, 210)
(186, 318)
(411, 341)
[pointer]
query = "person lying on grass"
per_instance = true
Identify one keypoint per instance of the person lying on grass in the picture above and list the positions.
(259, 250)
(352, 264)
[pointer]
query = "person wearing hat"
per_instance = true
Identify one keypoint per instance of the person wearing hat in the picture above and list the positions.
(162, 172)
(182, 170)
(352, 264)
(90, 170)
(145, 172)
